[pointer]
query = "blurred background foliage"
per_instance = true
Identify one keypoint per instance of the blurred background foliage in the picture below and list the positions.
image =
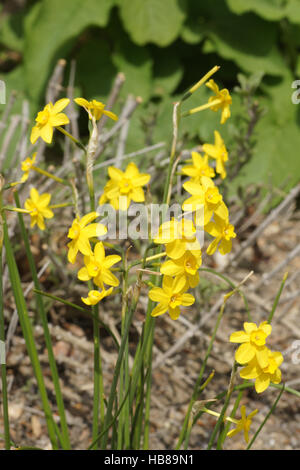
(163, 47)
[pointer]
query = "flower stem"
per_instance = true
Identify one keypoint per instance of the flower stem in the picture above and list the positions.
(76, 141)
(49, 175)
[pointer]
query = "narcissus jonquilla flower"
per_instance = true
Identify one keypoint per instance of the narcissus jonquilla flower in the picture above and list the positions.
(199, 168)
(218, 152)
(179, 236)
(264, 376)
(80, 233)
(95, 109)
(243, 424)
(253, 345)
(186, 266)
(98, 267)
(38, 207)
(221, 100)
(124, 187)
(50, 117)
(205, 195)
(223, 232)
(94, 296)
(171, 296)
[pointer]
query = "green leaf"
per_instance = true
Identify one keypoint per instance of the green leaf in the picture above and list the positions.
(11, 31)
(168, 71)
(154, 21)
(52, 31)
(95, 77)
(278, 138)
(272, 10)
(254, 50)
(136, 64)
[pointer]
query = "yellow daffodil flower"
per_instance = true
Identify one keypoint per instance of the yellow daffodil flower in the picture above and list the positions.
(264, 376)
(199, 168)
(205, 195)
(98, 267)
(26, 166)
(243, 424)
(51, 116)
(219, 153)
(80, 233)
(38, 207)
(222, 100)
(170, 297)
(125, 185)
(94, 296)
(95, 109)
(178, 236)
(223, 232)
(186, 266)
(253, 341)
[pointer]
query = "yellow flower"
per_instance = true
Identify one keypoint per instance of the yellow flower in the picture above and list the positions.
(187, 266)
(243, 424)
(178, 236)
(222, 100)
(199, 168)
(127, 185)
(219, 153)
(95, 108)
(223, 232)
(170, 297)
(264, 376)
(94, 296)
(80, 233)
(50, 117)
(38, 207)
(207, 196)
(253, 341)
(98, 267)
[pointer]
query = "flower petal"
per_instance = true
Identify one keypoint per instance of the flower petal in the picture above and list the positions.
(244, 353)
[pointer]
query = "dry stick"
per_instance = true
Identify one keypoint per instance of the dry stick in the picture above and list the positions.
(7, 111)
(291, 255)
(14, 122)
(128, 110)
(271, 217)
(21, 146)
(115, 91)
(122, 143)
(131, 155)
(72, 127)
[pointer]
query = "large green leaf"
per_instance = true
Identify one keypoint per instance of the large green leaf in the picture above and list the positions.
(157, 21)
(278, 138)
(51, 33)
(248, 40)
(272, 10)
(136, 64)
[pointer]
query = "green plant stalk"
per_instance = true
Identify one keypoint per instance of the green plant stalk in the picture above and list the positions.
(43, 316)
(28, 334)
(76, 141)
(113, 388)
(2, 338)
(232, 415)
(219, 427)
(277, 298)
(148, 390)
(199, 379)
(266, 418)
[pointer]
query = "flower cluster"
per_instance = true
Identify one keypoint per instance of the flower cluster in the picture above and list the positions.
(259, 362)
(209, 213)
(51, 117)
(97, 266)
(124, 187)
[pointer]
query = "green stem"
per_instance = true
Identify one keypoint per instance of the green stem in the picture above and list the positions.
(277, 298)
(43, 316)
(76, 141)
(2, 339)
(28, 334)
(266, 418)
